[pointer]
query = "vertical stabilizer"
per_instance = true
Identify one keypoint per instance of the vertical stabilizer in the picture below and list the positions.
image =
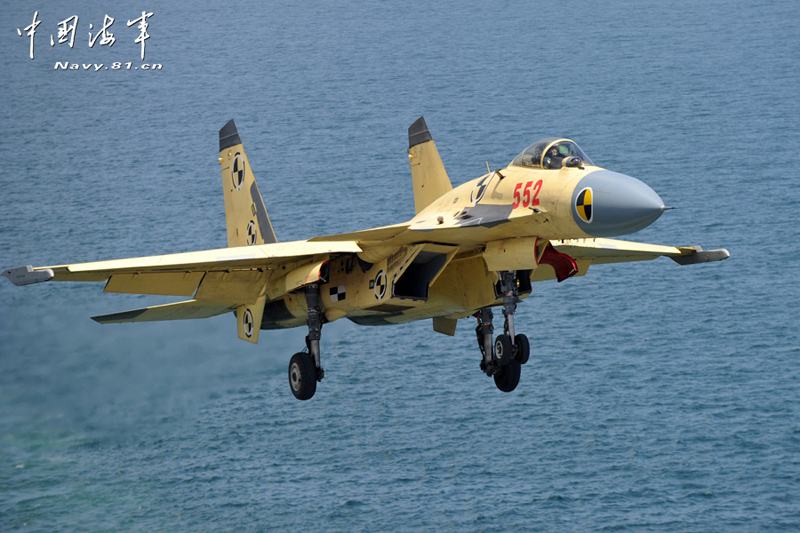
(427, 171)
(245, 214)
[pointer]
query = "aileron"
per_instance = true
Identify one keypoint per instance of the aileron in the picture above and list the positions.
(165, 283)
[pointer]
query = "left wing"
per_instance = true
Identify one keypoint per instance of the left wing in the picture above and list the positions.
(600, 251)
(573, 257)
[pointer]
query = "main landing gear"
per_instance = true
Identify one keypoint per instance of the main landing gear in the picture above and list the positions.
(504, 358)
(304, 367)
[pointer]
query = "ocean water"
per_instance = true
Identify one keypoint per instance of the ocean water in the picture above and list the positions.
(657, 398)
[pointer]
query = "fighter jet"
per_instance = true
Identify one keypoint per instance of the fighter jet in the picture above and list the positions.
(469, 250)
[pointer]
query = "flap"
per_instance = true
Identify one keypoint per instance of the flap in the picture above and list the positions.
(240, 286)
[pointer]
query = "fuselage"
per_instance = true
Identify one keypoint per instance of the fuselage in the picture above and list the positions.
(517, 210)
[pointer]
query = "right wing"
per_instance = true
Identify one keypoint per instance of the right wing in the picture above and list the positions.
(571, 257)
(161, 270)
(221, 280)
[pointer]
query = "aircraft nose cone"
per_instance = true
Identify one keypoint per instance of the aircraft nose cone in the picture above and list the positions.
(607, 204)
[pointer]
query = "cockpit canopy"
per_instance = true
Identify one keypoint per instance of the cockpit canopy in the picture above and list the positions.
(552, 153)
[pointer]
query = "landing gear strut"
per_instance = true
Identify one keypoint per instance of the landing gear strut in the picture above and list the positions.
(503, 358)
(304, 367)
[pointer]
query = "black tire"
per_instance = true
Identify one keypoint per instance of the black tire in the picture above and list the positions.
(507, 378)
(522, 349)
(302, 376)
(503, 350)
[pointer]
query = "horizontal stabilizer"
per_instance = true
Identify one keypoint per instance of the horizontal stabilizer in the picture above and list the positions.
(189, 309)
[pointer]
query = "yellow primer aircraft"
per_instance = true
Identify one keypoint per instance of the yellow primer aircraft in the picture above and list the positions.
(547, 215)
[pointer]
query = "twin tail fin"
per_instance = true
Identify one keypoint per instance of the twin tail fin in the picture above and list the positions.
(427, 170)
(245, 215)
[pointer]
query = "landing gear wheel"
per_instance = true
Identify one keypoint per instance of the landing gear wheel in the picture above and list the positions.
(302, 376)
(507, 377)
(522, 349)
(503, 350)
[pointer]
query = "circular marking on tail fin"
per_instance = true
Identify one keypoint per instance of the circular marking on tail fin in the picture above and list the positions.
(237, 173)
(251, 233)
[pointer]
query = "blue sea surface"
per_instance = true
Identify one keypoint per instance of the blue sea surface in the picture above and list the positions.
(657, 398)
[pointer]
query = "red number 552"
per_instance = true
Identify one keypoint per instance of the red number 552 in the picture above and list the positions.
(525, 200)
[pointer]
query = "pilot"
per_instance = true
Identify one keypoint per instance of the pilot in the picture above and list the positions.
(554, 158)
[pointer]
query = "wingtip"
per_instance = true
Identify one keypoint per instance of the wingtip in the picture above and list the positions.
(26, 275)
(702, 256)
(229, 136)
